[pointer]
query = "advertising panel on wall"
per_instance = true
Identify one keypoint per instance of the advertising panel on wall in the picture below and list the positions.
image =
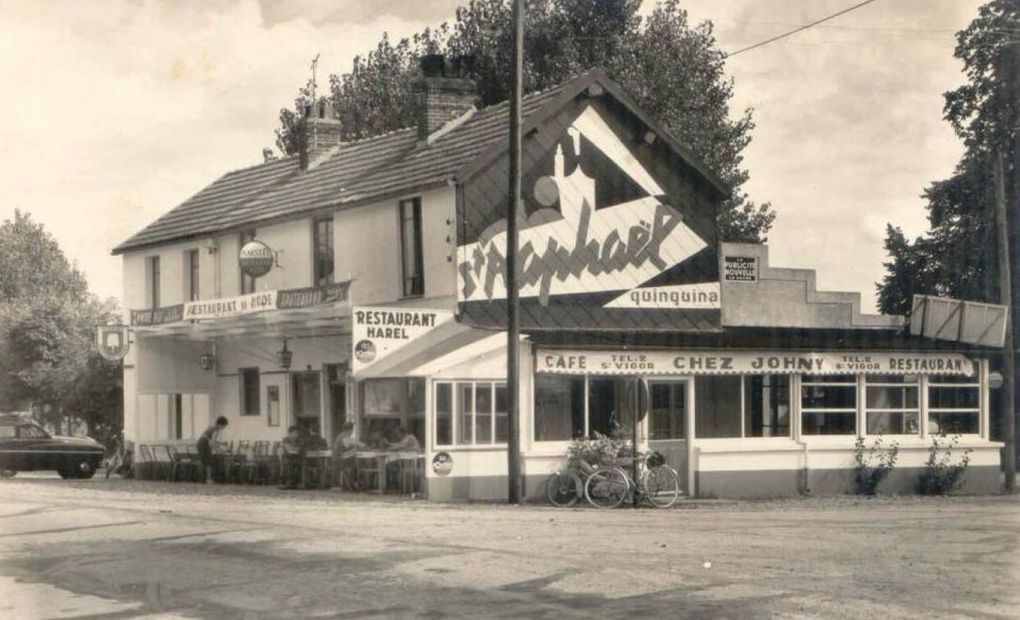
(379, 332)
(610, 235)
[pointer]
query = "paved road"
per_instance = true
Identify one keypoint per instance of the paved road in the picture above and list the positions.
(124, 549)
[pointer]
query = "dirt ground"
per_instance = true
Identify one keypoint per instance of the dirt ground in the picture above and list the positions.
(125, 549)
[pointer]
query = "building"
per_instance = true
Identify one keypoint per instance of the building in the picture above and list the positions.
(383, 303)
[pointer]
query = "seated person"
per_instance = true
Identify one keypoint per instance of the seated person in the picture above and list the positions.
(376, 439)
(345, 447)
(406, 442)
(292, 455)
(315, 441)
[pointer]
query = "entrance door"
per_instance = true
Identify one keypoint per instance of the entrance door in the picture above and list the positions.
(667, 423)
(336, 406)
(306, 400)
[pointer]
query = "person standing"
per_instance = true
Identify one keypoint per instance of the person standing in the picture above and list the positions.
(205, 448)
(293, 448)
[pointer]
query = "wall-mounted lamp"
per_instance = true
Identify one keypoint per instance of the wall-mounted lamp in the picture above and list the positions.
(286, 356)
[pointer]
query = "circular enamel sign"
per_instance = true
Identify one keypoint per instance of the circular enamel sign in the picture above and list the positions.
(256, 259)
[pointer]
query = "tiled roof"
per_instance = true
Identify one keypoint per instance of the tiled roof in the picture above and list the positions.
(357, 172)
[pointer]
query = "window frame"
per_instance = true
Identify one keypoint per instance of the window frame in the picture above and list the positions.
(457, 414)
(977, 410)
(248, 283)
(319, 261)
(243, 375)
(154, 281)
(413, 284)
(192, 268)
(807, 381)
(885, 381)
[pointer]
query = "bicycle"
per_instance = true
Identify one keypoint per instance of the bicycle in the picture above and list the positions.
(565, 486)
(658, 483)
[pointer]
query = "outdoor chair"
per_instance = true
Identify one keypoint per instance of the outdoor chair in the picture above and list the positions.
(185, 466)
(241, 456)
(412, 475)
(164, 462)
(253, 470)
(145, 468)
(369, 472)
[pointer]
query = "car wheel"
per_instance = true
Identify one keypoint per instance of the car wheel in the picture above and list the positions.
(8, 473)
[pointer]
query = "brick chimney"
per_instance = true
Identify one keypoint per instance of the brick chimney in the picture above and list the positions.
(320, 131)
(444, 92)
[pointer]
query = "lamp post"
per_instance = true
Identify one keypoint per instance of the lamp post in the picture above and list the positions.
(513, 320)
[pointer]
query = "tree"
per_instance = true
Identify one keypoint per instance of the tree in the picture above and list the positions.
(672, 68)
(48, 360)
(957, 256)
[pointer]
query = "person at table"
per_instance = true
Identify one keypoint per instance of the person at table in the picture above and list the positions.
(293, 448)
(345, 449)
(205, 448)
(406, 442)
(315, 441)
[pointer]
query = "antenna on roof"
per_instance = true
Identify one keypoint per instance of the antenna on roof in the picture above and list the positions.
(315, 67)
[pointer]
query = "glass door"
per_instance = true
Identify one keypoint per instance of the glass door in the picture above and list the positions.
(667, 423)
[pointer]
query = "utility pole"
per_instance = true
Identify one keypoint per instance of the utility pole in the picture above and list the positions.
(1006, 294)
(513, 331)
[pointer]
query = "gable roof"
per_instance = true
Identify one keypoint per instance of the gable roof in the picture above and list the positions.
(373, 169)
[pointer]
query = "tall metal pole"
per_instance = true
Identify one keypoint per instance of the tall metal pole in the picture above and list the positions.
(1006, 294)
(513, 330)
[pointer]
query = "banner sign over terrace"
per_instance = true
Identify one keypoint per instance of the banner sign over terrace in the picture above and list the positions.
(571, 362)
(611, 235)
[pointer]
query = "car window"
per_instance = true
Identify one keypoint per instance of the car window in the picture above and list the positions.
(6, 432)
(31, 432)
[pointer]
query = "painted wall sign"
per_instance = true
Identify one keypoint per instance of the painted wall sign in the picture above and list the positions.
(740, 268)
(113, 341)
(230, 306)
(602, 236)
(377, 332)
(747, 362)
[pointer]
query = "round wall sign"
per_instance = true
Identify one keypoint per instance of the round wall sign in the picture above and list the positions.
(442, 463)
(364, 351)
(256, 258)
(995, 380)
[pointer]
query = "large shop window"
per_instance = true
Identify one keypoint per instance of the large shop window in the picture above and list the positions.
(954, 405)
(411, 262)
(767, 406)
(892, 404)
(250, 391)
(829, 405)
(390, 403)
(470, 413)
(717, 406)
(559, 407)
(322, 244)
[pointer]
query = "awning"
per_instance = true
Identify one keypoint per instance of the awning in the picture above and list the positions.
(449, 345)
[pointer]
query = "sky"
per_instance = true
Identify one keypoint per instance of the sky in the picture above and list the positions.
(116, 111)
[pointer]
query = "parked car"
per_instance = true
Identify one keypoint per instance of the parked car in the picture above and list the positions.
(26, 446)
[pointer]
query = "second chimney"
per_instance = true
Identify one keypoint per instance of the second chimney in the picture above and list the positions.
(444, 92)
(320, 131)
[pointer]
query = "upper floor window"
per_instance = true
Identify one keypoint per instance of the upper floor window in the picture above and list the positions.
(322, 248)
(191, 266)
(154, 282)
(250, 391)
(411, 263)
(247, 281)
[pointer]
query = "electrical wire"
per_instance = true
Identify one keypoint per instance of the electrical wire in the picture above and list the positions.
(799, 29)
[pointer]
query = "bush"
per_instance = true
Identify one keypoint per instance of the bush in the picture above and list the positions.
(598, 450)
(873, 464)
(940, 475)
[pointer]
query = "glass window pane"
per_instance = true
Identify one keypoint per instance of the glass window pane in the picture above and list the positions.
(828, 397)
(953, 379)
(667, 410)
(893, 423)
(717, 403)
(953, 398)
(892, 397)
(952, 423)
(483, 413)
(767, 406)
(385, 397)
(559, 407)
(502, 422)
(829, 423)
(444, 414)
(415, 397)
(465, 419)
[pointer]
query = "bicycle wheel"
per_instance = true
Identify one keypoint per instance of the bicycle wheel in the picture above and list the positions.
(563, 489)
(606, 488)
(660, 486)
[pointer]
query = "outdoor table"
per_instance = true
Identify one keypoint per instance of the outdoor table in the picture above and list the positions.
(320, 458)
